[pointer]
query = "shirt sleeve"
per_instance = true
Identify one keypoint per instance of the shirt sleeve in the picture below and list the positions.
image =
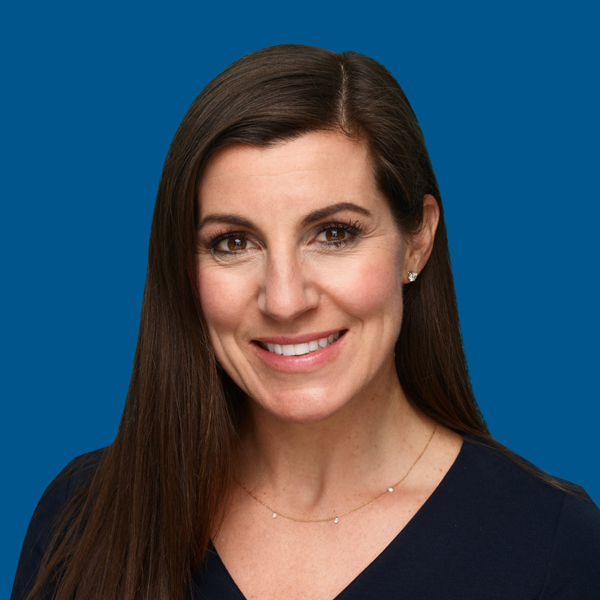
(574, 568)
(39, 532)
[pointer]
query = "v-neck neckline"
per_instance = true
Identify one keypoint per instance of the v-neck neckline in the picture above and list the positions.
(444, 484)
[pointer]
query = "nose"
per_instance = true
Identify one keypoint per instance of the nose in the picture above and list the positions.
(288, 290)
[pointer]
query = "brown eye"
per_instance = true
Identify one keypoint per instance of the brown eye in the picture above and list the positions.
(233, 244)
(332, 235)
(236, 243)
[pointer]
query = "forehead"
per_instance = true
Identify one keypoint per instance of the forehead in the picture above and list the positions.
(316, 169)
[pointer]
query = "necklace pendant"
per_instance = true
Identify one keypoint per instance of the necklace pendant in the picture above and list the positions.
(390, 489)
(274, 515)
(336, 520)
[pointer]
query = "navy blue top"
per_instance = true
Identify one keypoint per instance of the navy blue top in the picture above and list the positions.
(489, 530)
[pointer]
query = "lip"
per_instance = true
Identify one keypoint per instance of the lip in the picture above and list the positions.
(298, 339)
(305, 362)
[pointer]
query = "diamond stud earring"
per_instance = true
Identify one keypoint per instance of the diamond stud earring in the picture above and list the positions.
(411, 276)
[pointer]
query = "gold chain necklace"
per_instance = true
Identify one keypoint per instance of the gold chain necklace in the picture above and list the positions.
(337, 517)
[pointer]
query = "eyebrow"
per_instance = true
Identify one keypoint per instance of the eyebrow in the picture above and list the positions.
(312, 217)
(226, 218)
(317, 215)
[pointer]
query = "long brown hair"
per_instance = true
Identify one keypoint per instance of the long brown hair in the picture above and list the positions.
(140, 526)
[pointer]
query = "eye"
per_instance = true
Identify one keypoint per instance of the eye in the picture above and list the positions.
(339, 234)
(333, 234)
(233, 243)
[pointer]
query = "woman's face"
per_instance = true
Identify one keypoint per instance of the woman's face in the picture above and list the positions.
(300, 272)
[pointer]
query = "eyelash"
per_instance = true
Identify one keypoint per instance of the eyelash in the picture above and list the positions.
(354, 228)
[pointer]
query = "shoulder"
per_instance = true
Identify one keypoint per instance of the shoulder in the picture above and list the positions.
(76, 472)
(487, 462)
(40, 528)
(72, 475)
(523, 511)
(514, 482)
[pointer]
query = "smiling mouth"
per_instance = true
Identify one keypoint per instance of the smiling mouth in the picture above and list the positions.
(300, 349)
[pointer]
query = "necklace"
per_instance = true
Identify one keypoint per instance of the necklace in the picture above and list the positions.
(338, 516)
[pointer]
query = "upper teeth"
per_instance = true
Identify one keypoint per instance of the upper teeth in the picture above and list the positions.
(299, 349)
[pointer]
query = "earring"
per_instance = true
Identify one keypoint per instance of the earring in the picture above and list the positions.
(411, 276)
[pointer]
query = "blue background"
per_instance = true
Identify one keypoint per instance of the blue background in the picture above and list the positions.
(507, 97)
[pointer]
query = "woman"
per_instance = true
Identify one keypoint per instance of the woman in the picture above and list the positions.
(300, 421)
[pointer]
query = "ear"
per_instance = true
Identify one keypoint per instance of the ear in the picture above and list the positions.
(420, 244)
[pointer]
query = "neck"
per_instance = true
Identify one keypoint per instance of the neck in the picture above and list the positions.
(360, 450)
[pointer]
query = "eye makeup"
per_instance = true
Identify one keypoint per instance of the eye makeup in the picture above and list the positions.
(335, 234)
(339, 234)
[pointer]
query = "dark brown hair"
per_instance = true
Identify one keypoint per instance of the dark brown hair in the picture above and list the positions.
(141, 525)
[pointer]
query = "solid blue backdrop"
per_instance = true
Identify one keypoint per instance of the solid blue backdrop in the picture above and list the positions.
(506, 94)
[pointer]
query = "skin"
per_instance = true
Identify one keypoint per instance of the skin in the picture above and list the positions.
(320, 438)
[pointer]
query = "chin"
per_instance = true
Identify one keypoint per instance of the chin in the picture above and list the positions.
(302, 409)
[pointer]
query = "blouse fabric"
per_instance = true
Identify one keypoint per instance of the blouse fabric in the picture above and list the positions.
(490, 530)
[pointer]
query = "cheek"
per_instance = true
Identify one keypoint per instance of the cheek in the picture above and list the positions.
(371, 288)
(221, 299)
